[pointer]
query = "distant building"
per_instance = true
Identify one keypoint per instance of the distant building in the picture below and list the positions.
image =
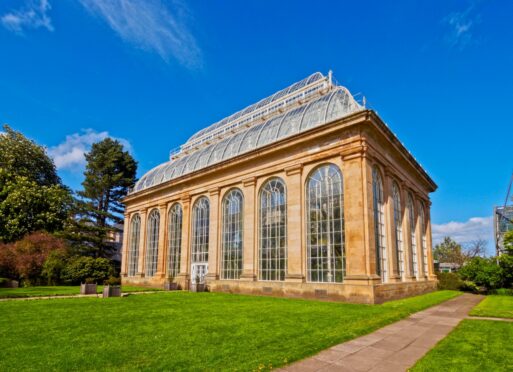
(305, 193)
(116, 239)
(503, 222)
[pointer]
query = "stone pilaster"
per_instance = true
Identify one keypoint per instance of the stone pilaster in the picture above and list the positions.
(393, 261)
(142, 245)
(161, 263)
(124, 247)
(429, 243)
(185, 267)
(249, 235)
(213, 239)
(358, 222)
(295, 256)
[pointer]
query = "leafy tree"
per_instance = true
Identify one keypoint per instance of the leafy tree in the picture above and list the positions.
(26, 206)
(508, 242)
(27, 256)
(22, 157)
(110, 172)
(448, 251)
(31, 194)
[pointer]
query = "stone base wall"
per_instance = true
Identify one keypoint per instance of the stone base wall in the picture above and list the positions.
(354, 293)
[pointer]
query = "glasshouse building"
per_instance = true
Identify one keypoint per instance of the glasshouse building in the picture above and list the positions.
(305, 193)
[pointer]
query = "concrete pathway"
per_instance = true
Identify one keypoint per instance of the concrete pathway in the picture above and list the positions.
(99, 295)
(395, 347)
(489, 318)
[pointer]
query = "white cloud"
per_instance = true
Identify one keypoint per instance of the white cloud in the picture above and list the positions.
(69, 155)
(461, 27)
(33, 15)
(464, 232)
(150, 25)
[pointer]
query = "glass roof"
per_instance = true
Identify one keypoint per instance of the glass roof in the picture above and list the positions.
(335, 104)
(263, 107)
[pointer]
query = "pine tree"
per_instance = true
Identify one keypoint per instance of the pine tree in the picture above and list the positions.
(110, 172)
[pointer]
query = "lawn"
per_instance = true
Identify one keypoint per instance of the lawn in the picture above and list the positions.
(57, 291)
(495, 306)
(184, 331)
(475, 345)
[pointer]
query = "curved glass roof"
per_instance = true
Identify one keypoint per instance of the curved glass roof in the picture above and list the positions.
(252, 108)
(336, 104)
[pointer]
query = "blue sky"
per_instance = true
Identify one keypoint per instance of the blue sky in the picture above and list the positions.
(151, 73)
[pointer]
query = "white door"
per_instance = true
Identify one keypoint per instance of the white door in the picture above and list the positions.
(199, 270)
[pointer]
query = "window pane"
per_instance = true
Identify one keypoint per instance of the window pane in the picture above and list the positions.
(232, 239)
(152, 251)
(174, 240)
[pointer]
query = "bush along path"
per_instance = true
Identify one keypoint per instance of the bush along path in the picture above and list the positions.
(395, 347)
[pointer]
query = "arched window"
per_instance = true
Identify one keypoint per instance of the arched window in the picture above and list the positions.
(200, 230)
(413, 237)
(398, 224)
(231, 254)
(174, 230)
(379, 225)
(133, 251)
(152, 251)
(273, 231)
(422, 222)
(325, 225)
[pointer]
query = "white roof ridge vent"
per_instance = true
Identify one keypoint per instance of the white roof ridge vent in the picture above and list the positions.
(275, 104)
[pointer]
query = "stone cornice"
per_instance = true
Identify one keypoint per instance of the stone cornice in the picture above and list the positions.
(214, 191)
(294, 169)
(249, 182)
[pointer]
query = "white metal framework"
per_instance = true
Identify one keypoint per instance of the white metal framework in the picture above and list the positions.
(152, 251)
(298, 115)
(133, 251)
(272, 263)
(174, 231)
(398, 231)
(325, 225)
(413, 237)
(232, 238)
(200, 230)
(422, 222)
(379, 225)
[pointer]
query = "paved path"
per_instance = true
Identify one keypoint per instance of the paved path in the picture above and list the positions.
(99, 295)
(395, 347)
(489, 318)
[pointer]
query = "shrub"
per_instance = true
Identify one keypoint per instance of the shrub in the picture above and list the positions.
(483, 272)
(78, 269)
(506, 265)
(25, 258)
(113, 281)
(53, 267)
(469, 286)
(450, 281)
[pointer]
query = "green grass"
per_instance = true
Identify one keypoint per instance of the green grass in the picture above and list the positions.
(57, 291)
(475, 345)
(184, 331)
(495, 306)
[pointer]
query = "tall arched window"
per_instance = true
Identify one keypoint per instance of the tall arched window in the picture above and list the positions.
(379, 225)
(413, 237)
(422, 222)
(398, 224)
(174, 240)
(325, 225)
(231, 254)
(133, 251)
(200, 230)
(152, 251)
(273, 231)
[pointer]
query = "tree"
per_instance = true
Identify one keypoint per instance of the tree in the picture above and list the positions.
(508, 242)
(31, 194)
(23, 157)
(448, 251)
(26, 257)
(110, 172)
(475, 248)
